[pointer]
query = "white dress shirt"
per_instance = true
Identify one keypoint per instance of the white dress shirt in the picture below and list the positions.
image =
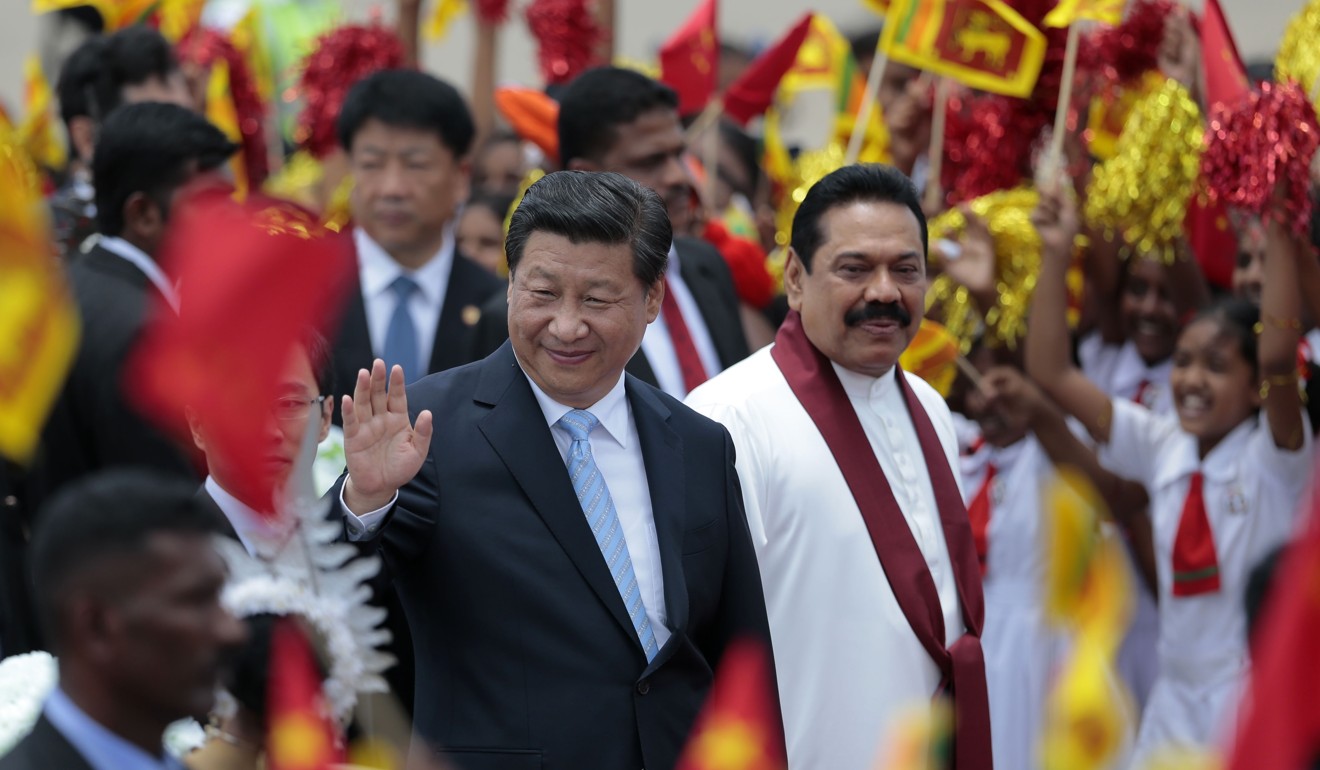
(1120, 372)
(847, 660)
(377, 271)
(262, 536)
(659, 348)
(618, 453)
(122, 248)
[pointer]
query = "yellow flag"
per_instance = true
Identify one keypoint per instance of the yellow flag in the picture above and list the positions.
(223, 115)
(1088, 716)
(37, 133)
(178, 17)
(38, 323)
(878, 7)
(115, 13)
(444, 14)
(916, 737)
(247, 39)
(932, 355)
(1069, 11)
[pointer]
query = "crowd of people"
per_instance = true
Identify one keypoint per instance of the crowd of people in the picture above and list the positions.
(614, 392)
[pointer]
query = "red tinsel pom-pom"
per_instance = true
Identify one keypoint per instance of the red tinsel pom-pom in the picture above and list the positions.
(988, 141)
(203, 46)
(567, 33)
(493, 11)
(339, 59)
(1131, 49)
(1263, 142)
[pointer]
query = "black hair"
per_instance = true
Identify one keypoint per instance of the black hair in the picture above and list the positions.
(588, 207)
(84, 16)
(745, 150)
(321, 356)
(497, 203)
(598, 102)
(1237, 318)
(93, 78)
(112, 513)
(408, 99)
(150, 148)
(864, 43)
(866, 183)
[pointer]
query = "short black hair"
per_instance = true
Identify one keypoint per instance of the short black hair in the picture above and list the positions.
(592, 207)
(1238, 318)
(148, 148)
(93, 78)
(860, 182)
(497, 203)
(322, 358)
(110, 513)
(745, 150)
(863, 44)
(599, 101)
(408, 99)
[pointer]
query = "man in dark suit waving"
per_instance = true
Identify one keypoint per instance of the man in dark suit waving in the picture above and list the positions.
(407, 136)
(615, 119)
(571, 552)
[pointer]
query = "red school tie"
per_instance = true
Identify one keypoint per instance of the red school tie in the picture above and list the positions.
(1195, 566)
(978, 512)
(1143, 389)
(689, 361)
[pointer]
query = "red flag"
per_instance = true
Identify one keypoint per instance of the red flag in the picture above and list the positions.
(754, 91)
(689, 59)
(1280, 725)
(301, 735)
(739, 727)
(251, 277)
(1208, 233)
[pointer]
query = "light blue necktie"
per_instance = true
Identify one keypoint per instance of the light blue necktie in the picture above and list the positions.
(598, 506)
(401, 346)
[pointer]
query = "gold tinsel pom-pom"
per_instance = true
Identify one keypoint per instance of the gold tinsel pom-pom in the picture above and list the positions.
(1299, 56)
(1007, 213)
(1142, 192)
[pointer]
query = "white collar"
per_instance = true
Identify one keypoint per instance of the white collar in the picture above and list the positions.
(122, 248)
(673, 267)
(378, 269)
(256, 532)
(611, 409)
(863, 385)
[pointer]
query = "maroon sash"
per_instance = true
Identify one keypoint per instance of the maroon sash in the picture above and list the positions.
(962, 665)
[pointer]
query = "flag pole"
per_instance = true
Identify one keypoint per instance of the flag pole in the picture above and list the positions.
(1054, 161)
(705, 119)
(933, 192)
(878, 64)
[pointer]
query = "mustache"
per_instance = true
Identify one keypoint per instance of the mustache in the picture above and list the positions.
(878, 311)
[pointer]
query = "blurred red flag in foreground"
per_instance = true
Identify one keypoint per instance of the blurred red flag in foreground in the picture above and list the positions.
(754, 90)
(739, 727)
(1280, 724)
(300, 735)
(252, 277)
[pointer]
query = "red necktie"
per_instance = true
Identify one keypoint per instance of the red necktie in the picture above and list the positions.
(1195, 566)
(1140, 396)
(978, 512)
(689, 361)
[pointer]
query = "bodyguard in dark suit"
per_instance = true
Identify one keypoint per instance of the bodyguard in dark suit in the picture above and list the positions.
(416, 300)
(146, 152)
(128, 592)
(571, 550)
(614, 119)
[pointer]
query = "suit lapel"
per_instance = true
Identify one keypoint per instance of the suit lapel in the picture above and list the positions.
(662, 453)
(515, 429)
(223, 525)
(714, 309)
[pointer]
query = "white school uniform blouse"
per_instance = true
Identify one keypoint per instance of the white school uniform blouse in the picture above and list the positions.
(1119, 371)
(846, 657)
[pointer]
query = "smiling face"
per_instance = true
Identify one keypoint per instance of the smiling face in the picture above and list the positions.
(1146, 306)
(577, 313)
(864, 297)
(1214, 387)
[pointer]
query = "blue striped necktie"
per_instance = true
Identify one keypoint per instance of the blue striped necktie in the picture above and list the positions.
(599, 509)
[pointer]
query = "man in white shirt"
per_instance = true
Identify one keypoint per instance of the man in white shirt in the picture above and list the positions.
(146, 153)
(571, 552)
(407, 137)
(848, 478)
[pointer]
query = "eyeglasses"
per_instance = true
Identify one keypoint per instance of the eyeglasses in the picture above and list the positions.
(289, 408)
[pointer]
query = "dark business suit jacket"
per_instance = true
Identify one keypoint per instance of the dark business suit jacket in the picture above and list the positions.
(470, 287)
(45, 748)
(707, 277)
(92, 425)
(525, 655)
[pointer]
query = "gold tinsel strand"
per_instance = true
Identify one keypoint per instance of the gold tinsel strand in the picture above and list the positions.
(1007, 213)
(1142, 192)
(809, 168)
(1299, 56)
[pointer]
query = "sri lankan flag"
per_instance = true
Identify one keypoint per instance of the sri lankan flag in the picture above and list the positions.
(982, 43)
(739, 727)
(1069, 11)
(301, 735)
(933, 356)
(38, 323)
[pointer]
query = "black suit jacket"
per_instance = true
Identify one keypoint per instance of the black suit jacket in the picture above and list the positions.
(470, 287)
(92, 425)
(525, 655)
(45, 748)
(707, 277)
